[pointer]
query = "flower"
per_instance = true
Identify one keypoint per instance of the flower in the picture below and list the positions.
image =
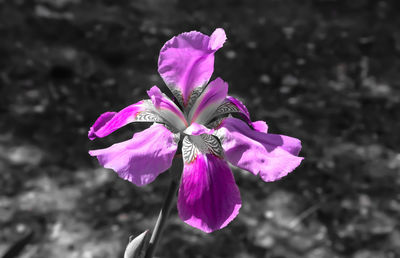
(201, 116)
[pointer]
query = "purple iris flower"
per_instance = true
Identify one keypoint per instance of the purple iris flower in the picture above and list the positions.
(202, 115)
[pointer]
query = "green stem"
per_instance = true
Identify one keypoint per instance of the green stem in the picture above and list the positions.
(162, 217)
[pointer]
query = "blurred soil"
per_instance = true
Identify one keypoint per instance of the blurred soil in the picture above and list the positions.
(324, 71)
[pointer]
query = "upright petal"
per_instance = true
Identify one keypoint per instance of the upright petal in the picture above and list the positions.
(208, 102)
(142, 111)
(242, 108)
(141, 159)
(186, 62)
(167, 109)
(270, 155)
(232, 105)
(208, 198)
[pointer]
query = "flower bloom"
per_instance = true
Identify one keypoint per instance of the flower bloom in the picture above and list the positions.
(201, 116)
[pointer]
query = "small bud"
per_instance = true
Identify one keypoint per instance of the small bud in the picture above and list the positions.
(137, 246)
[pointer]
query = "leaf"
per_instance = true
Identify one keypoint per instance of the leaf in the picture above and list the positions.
(137, 247)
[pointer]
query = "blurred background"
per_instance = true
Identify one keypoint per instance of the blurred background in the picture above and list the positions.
(323, 71)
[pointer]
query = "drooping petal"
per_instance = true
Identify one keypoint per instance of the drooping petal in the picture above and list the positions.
(186, 62)
(142, 111)
(100, 123)
(194, 144)
(141, 159)
(208, 198)
(270, 155)
(167, 109)
(260, 126)
(208, 102)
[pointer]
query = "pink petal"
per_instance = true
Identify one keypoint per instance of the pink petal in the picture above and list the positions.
(208, 102)
(197, 129)
(167, 109)
(187, 62)
(209, 198)
(240, 106)
(141, 159)
(111, 121)
(100, 123)
(260, 126)
(217, 39)
(232, 105)
(270, 155)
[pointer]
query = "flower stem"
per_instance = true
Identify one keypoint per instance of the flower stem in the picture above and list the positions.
(164, 213)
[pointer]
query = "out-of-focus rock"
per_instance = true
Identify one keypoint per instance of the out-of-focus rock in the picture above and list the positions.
(25, 155)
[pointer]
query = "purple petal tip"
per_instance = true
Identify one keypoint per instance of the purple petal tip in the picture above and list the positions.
(217, 39)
